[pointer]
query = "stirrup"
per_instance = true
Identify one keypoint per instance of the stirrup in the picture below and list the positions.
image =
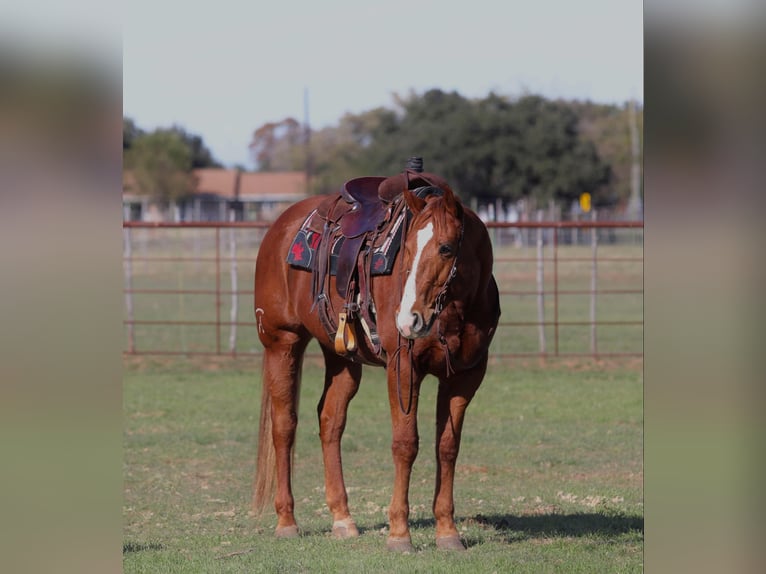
(345, 341)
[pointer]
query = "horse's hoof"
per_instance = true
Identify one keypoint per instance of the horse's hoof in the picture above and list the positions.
(344, 529)
(451, 542)
(403, 545)
(286, 531)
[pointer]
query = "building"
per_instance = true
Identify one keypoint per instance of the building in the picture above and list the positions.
(220, 195)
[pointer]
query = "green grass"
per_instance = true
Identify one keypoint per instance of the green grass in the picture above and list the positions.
(549, 477)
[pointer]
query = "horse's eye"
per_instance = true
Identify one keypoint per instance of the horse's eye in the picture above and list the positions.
(445, 249)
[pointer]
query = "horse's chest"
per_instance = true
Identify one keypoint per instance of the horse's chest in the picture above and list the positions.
(458, 342)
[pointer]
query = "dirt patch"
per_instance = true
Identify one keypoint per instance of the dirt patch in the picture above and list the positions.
(471, 469)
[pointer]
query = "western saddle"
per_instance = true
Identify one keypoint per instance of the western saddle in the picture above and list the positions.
(367, 219)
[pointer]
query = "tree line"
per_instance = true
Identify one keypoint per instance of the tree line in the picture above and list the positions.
(161, 161)
(490, 148)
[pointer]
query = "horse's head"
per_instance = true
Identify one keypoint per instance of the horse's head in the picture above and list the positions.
(430, 260)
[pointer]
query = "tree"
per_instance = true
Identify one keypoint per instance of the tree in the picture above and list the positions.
(488, 148)
(541, 154)
(161, 164)
(493, 147)
(607, 128)
(278, 146)
(338, 153)
(438, 126)
(130, 131)
(201, 156)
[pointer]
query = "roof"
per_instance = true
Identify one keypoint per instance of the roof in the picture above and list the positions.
(272, 185)
(268, 186)
(221, 182)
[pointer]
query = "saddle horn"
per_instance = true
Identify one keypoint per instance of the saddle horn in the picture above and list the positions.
(415, 163)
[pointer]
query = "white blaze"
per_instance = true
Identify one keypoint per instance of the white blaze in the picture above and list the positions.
(404, 318)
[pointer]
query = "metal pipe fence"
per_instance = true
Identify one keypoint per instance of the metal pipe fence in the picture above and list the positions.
(567, 288)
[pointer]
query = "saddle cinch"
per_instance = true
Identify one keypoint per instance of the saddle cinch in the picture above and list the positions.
(353, 236)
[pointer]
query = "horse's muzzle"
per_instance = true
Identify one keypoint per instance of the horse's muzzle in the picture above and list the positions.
(415, 327)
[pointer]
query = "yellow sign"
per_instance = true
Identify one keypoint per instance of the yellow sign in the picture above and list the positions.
(585, 202)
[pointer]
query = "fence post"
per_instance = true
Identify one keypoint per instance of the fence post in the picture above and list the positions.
(128, 266)
(555, 246)
(576, 230)
(540, 285)
(182, 296)
(197, 239)
(218, 290)
(499, 216)
(593, 283)
(234, 298)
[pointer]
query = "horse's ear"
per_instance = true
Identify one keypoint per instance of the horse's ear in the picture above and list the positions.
(414, 203)
(451, 202)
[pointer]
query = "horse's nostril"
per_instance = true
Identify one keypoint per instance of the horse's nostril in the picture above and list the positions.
(417, 321)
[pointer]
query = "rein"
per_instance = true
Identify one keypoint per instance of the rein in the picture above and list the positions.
(398, 378)
(399, 347)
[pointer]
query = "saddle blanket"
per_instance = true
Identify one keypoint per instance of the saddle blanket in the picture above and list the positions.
(304, 248)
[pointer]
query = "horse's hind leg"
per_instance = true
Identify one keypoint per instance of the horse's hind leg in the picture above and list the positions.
(452, 400)
(341, 384)
(283, 359)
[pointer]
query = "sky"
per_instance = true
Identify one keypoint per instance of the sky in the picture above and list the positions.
(224, 68)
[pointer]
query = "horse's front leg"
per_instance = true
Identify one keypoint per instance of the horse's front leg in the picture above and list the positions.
(341, 384)
(403, 390)
(453, 397)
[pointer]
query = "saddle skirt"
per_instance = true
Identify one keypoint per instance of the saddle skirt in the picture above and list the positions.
(305, 246)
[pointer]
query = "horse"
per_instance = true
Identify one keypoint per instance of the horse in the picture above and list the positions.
(435, 313)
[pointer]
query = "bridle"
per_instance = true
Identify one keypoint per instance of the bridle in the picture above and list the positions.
(439, 303)
(441, 296)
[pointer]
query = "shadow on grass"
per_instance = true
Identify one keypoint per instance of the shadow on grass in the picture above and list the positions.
(128, 547)
(513, 528)
(516, 528)
(554, 525)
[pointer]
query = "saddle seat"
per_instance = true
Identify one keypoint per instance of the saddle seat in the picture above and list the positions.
(369, 197)
(367, 210)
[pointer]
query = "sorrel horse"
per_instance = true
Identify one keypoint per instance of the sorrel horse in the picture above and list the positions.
(435, 313)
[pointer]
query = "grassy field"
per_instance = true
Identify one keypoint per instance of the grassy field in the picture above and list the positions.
(549, 477)
(550, 473)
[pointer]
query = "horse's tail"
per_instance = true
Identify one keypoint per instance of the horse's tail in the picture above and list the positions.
(264, 484)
